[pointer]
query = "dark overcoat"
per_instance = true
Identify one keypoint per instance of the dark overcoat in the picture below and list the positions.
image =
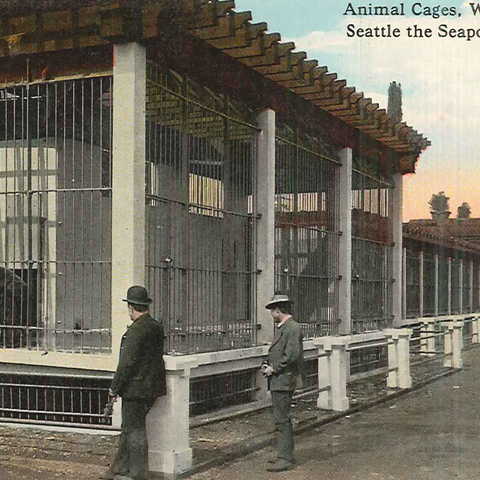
(141, 370)
(285, 356)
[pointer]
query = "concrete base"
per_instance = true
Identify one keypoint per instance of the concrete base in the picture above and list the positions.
(170, 463)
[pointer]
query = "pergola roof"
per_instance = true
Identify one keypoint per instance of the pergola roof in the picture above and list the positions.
(97, 22)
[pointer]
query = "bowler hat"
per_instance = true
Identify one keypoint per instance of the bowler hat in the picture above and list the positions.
(277, 299)
(137, 295)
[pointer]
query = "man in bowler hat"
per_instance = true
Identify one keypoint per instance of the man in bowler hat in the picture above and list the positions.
(139, 380)
(284, 368)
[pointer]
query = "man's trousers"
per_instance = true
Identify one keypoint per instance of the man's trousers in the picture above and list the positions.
(282, 403)
(132, 454)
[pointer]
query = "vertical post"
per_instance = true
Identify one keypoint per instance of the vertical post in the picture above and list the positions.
(128, 180)
(460, 284)
(449, 285)
(337, 369)
(404, 283)
(399, 357)
(168, 422)
(475, 330)
(345, 243)
(265, 207)
(427, 345)
(436, 285)
(470, 292)
(453, 345)
(398, 263)
(421, 285)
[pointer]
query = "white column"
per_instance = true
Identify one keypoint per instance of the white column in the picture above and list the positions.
(470, 281)
(475, 330)
(460, 283)
(421, 286)
(404, 283)
(399, 357)
(427, 345)
(436, 285)
(168, 422)
(128, 176)
(265, 207)
(453, 345)
(337, 368)
(449, 285)
(345, 259)
(397, 221)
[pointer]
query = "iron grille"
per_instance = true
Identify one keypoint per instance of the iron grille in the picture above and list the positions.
(372, 247)
(306, 230)
(429, 285)
(455, 291)
(55, 215)
(443, 283)
(55, 399)
(413, 283)
(466, 287)
(368, 359)
(200, 239)
(476, 287)
(215, 392)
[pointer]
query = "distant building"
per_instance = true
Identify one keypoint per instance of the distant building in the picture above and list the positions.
(463, 229)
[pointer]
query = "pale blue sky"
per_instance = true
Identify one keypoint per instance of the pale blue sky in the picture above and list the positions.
(439, 78)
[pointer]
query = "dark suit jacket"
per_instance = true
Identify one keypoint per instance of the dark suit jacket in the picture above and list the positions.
(285, 356)
(141, 370)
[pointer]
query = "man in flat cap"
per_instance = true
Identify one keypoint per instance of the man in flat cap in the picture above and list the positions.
(285, 367)
(139, 380)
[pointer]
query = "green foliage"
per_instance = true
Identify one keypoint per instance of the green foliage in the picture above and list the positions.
(464, 210)
(439, 202)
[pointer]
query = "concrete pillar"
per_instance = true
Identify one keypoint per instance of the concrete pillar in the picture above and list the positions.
(168, 422)
(436, 285)
(265, 206)
(117, 414)
(337, 368)
(397, 260)
(475, 330)
(404, 283)
(449, 285)
(427, 345)
(345, 259)
(421, 285)
(399, 357)
(470, 282)
(460, 284)
(453, 345)
(128, 177)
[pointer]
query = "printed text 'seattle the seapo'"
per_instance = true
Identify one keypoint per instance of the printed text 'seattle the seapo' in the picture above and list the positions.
(416, 9)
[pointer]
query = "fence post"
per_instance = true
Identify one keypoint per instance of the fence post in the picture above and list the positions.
(168, 423)
(265, 235)
(421, 284)
(460, 284)
(449, 285)
(128, 181)
(337, 368)
(427, 345)
(397, 254)
(436, 285)
(345, 242)
(453, 345)
(399, 357)
(475, 330)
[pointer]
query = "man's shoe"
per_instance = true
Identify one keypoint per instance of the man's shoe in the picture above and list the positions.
(280, 466)
(276, 459)
(107, 474)
(122, 477)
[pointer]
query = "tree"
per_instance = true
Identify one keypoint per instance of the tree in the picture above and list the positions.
(439, 203)
(394, 108)
(464, 210)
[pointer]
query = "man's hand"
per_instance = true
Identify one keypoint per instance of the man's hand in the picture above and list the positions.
(113, 396)
(267, 370)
